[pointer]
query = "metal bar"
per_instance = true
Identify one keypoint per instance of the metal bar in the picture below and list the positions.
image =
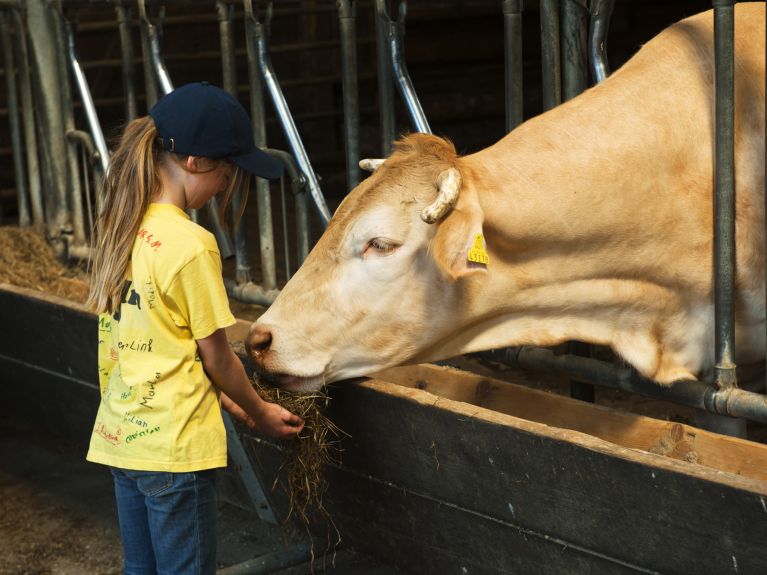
(48, 49)
(601, 11)
(73, 233)
(347, 14)
(225, 14)
(28, 119)
(127, 60)
(271, 563)
(298, 187)
(286, 120)
(404, 83)
(550, 54)
(575, 71)
(385, 83)
(724, 193)
(258, 118)
(89, 156)
(285, 238)
(91, 116)
(150, 83)
(256, 491)
(732, 401)
(22, 193)
(512, 26)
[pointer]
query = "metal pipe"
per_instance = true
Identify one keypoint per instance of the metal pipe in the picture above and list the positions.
(73, 233)
(385, 83)
(128, 71)
(48, 51)
(250, 292)
(298, 187)
(13, 119)
(575, 71)
(512, 26)
(225, 14)
(271, 563)
(404, 83)
(601, 11)
(151, 33)
(724, 193)
(258, 118)
(347, 14)
(91, 116)
(90, 158)
(732, 401)
(28, 119)
(550, 54)
(150, 83)
(286, 120)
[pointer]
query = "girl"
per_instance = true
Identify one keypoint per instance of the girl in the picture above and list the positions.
(158, 288)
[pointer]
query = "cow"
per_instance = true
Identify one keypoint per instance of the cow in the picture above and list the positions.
(590, 222)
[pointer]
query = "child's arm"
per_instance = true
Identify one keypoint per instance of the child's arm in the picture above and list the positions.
(228, 374)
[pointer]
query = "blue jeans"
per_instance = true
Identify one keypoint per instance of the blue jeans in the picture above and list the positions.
(167, 521)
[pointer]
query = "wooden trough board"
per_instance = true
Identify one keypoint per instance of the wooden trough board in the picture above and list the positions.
(448, 472)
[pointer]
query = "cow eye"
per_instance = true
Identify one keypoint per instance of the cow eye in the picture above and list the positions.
(381, 246)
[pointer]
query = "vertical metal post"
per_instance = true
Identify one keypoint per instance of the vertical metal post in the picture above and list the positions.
(601, 11)
(385, 84)
(347, 14)
(512, 25)
(258, 117)
(404, 83)
(150, 84)
(128, 72)
(575, 25)
(225, 13)
(550, 54)
(47, 53)
(724, 192)
(13, 119)
(72, 206)
(28, 118)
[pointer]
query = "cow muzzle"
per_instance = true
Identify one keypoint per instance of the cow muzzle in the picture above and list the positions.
(258, 346)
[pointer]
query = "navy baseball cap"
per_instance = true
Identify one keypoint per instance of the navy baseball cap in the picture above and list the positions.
(200, 119)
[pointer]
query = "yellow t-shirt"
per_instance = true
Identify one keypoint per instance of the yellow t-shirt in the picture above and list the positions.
(159, 411)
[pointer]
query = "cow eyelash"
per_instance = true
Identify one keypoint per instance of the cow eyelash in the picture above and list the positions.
(382, 246)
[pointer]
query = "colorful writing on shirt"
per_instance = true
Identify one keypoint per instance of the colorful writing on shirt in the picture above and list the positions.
(112, 437)
(148, 238)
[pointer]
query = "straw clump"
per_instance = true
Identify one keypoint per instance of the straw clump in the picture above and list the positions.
(28, 261)
(301, 474)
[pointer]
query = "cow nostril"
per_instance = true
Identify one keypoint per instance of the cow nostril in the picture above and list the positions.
(259, 340)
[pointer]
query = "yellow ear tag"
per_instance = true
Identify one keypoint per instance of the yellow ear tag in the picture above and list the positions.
(477, 253)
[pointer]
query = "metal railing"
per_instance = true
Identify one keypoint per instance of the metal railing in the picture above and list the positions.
(57, 175)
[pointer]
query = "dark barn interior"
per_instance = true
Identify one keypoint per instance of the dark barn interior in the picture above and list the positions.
(453, 48)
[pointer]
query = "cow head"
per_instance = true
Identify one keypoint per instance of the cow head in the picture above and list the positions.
(386, 279)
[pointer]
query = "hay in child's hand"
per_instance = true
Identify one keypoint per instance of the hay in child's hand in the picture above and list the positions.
(301, 474)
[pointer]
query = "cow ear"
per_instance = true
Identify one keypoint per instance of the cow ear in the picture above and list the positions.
(459, 246)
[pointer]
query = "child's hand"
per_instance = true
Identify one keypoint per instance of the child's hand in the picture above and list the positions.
(236, 411)
(277, 422)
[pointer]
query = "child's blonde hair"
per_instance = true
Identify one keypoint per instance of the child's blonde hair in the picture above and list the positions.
(132, 180)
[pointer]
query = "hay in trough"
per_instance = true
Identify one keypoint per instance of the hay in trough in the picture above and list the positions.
(301, 474)
(28, 261)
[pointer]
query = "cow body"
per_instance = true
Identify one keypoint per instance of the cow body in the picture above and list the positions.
(596, 218)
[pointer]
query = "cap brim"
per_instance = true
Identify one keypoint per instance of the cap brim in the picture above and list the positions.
(260, 164)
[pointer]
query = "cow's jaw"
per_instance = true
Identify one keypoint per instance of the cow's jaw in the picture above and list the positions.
(301, 384)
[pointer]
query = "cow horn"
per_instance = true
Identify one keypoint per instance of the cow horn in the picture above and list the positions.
(449, 184)
(371, 165)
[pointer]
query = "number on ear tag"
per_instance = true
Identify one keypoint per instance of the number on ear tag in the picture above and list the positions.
(477, 253)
